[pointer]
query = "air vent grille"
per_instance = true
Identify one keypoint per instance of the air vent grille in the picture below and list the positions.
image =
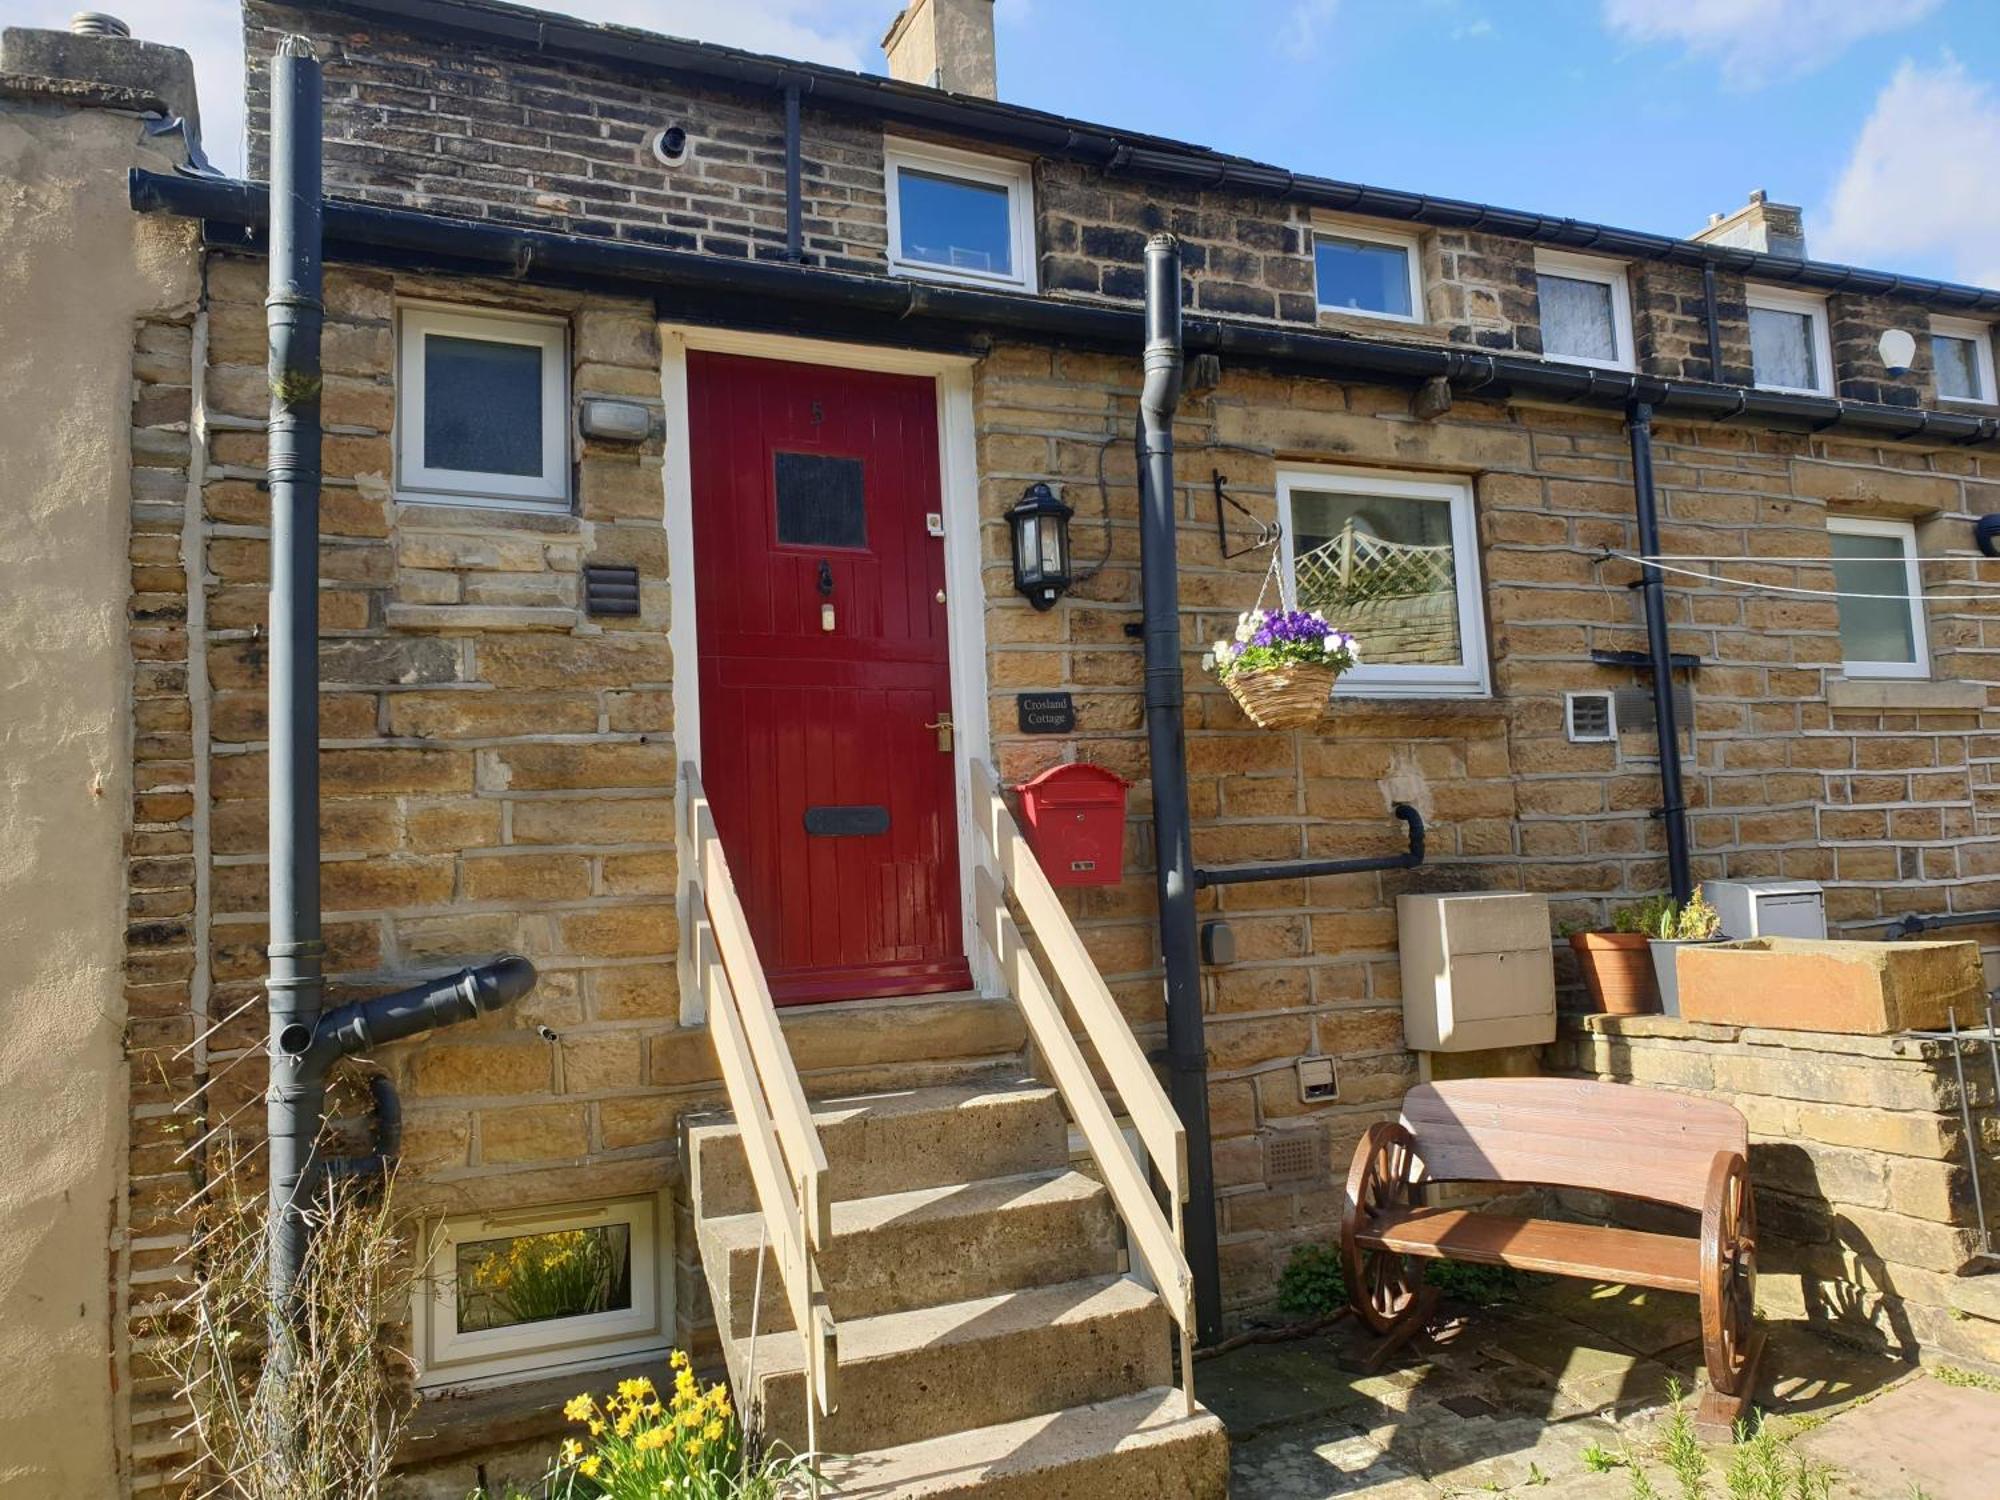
(1591, 718)
(1294, 1156)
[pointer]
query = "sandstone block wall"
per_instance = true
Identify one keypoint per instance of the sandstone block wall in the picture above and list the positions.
(1864, 1200)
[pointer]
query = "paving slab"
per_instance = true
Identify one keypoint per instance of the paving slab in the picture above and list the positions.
(1924, 1436)
(1511, 1399)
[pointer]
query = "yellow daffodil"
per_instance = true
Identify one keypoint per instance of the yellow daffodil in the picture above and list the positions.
(632, 1390)
(579, 1409)
(572, 1450)
(590, 1466)
(678, 1360)
(713, 1431)
(652, 1439)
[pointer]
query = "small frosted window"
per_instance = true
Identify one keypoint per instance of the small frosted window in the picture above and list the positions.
(482, 406)
(1577, 318)
(1363, 276)
(1874, 629)
(1781, 349)
(1957, 363)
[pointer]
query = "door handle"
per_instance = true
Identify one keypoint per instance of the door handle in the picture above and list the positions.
(942, 724)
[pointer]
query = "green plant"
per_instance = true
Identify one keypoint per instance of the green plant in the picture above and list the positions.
(1480, 1285)
(1664, 918)
(561, 1274)
(1313, 1282)
(1266, 638)
(1681, 1449)
(1972, 1379)
(1601, 1460)
(689, 1446)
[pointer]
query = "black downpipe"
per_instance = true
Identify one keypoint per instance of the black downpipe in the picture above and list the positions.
(1673, 808)
(795, 238)
(1714, 321)
(303, 1042)
(1166, 745)
(296, 1100)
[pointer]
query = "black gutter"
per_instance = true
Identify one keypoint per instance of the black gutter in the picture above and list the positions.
(1309, 869)
(1166, 753)
(1673, 804)
(544, 34)
(911, 311)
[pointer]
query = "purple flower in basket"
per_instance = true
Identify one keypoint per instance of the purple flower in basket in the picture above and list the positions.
(1283, 637)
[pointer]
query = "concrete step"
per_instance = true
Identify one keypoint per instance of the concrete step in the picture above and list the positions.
(909, 1376)
(925, 1247)
(889, 1143)
(1138, 1447)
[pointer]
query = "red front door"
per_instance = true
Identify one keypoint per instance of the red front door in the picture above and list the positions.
(819, 607)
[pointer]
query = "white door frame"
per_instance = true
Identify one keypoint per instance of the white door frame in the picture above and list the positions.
(965, 593)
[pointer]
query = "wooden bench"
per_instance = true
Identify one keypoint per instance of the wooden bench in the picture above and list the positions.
(1557, 1132)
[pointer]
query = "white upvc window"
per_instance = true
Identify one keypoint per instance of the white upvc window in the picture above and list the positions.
(1586, 306)
(1881, 600)
(542, 1291)
(1394, 561)
(1962, 358)
(958, 216)
(1789, 347)
(1368, 272)
(482, 407)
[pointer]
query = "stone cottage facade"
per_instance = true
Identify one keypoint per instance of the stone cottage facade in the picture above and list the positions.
(501, 762)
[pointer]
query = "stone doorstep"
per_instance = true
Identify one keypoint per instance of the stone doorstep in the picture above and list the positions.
(1977, 1296)
(457, 1424)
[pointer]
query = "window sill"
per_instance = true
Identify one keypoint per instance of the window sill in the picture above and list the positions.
(1903, 695)
(437, 513)
(479, 619)
(449, 1423)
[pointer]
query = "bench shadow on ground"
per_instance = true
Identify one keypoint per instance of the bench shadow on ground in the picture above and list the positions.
(1509, 1396)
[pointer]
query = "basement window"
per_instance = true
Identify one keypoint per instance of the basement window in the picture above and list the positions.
(482, 408)
(1373, 272)
(1393, 560)
(540, 1292)
(1962, 356)
(1586, 309)
(1881, 600)
(1788, 342)
(956, 216)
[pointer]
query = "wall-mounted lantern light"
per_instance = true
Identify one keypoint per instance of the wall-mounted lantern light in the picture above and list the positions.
(1040, 524)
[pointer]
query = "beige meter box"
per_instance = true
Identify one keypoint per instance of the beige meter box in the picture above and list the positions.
(1477, 971)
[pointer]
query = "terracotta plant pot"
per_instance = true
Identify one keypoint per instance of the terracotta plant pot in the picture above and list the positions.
(1618, 967)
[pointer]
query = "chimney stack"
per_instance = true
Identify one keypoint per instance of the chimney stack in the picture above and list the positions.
(944, 44)
(1760, 224)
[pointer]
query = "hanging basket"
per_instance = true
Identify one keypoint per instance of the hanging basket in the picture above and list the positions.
(1289, 697)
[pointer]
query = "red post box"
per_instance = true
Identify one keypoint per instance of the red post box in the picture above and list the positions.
(1074, 819)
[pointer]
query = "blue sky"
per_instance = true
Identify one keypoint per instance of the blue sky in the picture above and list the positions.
(1880, 117)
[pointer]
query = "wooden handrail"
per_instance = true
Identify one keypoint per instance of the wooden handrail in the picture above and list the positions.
(1156, 1240)
(780, 1143)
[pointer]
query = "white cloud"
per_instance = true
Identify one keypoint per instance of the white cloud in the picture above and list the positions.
(841, 32)
(1305, 25)
(1756, 41)
(1919, 179)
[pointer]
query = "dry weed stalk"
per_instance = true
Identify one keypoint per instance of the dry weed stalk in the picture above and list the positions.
(330, 1425)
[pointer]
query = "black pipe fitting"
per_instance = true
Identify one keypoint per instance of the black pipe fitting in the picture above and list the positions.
(1308, 869)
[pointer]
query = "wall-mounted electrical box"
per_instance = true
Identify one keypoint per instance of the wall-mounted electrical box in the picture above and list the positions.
(1768, 908)
(1478, 971)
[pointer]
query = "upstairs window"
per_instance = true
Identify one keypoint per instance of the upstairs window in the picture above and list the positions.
(1881, 598)
(1370, 272)
(1586, 310)
(1788, 342)
(482, 408)
(1393, 560)
(1962, 355)
(954, 216)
